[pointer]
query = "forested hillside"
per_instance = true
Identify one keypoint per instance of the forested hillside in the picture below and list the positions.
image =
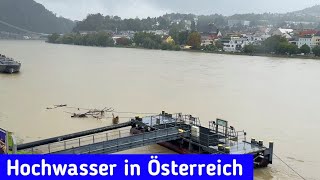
(32, 16)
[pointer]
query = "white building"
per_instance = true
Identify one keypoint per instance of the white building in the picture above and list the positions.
(206, 42)
(287, 33)
(236, 44)
(232, 23)
(305, 40)
(159, 32)
(310, 40)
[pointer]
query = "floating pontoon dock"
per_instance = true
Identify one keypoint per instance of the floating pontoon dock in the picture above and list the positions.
(178, 132)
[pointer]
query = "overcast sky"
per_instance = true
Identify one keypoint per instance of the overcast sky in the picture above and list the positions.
(79, 9)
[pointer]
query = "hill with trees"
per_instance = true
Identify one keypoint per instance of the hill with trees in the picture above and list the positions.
(32, 16)
(311, 11)
(204, 23)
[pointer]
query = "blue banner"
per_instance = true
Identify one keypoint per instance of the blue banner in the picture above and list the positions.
(126, 166)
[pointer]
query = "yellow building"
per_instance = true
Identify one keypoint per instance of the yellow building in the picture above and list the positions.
(316, 40)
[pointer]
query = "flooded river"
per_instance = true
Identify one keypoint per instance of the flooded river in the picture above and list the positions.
(272, 99)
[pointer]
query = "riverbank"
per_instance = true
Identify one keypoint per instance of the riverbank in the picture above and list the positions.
(261, 55)
(236, 53)
(312, 57)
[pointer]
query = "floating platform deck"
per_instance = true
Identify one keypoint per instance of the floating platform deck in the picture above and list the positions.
(180, 133)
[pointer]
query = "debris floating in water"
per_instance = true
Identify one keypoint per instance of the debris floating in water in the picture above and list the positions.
(95, 113)
(57, 106)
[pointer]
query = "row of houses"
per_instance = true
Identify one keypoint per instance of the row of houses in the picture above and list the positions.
(236, 42)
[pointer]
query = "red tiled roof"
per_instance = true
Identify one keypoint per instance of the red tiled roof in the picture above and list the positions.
(308, 32)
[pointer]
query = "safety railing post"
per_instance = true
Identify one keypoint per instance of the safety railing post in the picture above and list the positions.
(79, 142)
(106, 136)
(117, 144)
(49, 148)
(156, 135)
(65, 145)
(93, 139)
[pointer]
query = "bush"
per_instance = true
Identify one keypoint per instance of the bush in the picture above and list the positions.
(316, 50)
(305, 49)
(169, 46)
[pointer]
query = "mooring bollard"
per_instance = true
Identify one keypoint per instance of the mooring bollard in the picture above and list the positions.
(271, 151)
(253, 141)
(227, 150)
(261, 143)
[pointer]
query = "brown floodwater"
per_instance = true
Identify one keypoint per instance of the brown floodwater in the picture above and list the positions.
(272, 99)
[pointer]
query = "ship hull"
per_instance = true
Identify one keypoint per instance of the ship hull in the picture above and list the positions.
(10, 68)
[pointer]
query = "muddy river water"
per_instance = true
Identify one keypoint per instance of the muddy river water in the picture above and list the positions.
(272, 99)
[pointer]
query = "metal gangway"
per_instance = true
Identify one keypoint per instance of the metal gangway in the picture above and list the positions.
(119, 143)
(113, 138)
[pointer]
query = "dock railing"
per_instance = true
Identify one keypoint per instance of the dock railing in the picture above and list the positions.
(107, 136)
(78, 142)
(146, 138)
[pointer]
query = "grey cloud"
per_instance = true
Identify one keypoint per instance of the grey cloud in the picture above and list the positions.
(78, 9)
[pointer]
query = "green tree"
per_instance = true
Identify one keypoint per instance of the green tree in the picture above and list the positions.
(193, 26)
(249, 49)
(209, 48)
(194, 40)
(103, 39)
(282, 48)
(147, 40)
(149, 43)
(183, 37)
(138, 38)
(168, 46)
(219, 45)
(67, 39)
(316, 50)
(53, 38)
(79, 40)
(305, 49)
(273, 43)
(287, 48)
(293, 49)
(174, 33)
